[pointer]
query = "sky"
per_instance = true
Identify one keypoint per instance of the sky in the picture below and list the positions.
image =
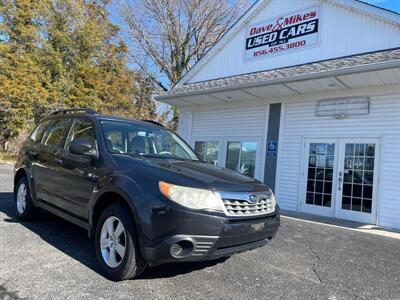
(388, 4)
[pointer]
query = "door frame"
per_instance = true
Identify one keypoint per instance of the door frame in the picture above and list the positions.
(335, 211)
(371, 218)
(314, 209)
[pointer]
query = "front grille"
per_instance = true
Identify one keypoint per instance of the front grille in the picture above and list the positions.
(236, 207)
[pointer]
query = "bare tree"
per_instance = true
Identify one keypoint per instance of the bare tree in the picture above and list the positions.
(167, 37)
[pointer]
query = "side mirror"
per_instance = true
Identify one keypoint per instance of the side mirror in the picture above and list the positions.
(82, 147)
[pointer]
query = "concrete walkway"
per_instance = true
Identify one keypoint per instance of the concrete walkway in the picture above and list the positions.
(350, 225)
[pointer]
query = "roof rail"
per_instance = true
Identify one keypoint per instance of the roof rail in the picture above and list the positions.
(74, 110)
(153, 122)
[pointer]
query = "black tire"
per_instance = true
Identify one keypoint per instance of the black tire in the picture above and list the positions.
(29, 211)
(132, 264)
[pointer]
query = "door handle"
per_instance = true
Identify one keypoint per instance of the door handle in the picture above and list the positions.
(340, 181)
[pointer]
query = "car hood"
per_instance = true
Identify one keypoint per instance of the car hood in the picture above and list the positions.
(202, 174)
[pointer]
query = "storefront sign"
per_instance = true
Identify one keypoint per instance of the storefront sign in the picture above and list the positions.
(343, 107)
(283, 34)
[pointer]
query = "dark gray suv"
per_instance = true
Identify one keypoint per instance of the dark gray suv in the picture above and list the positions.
(140, 191)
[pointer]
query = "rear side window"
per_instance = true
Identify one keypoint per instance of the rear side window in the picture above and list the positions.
(39, 131)
(82, 129)
(56, 134)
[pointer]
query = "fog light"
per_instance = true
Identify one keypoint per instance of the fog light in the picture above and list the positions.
(176, 249)
(181, 249)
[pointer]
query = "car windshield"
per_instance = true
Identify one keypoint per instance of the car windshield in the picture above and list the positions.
(123, 137)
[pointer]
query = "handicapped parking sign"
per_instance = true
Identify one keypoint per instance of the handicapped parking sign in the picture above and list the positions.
(272, 148)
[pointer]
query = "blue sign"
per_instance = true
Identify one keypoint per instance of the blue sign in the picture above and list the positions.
(272, 148)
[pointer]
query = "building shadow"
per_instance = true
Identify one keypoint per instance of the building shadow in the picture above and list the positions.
(74, 242)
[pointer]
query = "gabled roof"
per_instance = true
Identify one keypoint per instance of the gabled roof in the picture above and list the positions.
(357, 5)
(360, 62)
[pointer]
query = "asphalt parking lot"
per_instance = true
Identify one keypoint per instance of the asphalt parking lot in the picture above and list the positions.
(51, 259)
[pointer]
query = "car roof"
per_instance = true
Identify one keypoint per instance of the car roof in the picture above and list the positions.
(148, 123)
(95, 116)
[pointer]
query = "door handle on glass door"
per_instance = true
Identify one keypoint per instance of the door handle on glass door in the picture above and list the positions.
(340, 181)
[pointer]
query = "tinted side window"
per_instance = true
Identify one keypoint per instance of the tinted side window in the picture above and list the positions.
(57, 132)
(82, 129)
(39, 131)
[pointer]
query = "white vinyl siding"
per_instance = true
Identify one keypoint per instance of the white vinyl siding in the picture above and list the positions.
(341, 31)
(236, 125)
(185, 125)
(383, 122)
(236, 122)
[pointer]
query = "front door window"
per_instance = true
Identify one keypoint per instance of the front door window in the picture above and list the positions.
(82, 129)
(358, 177)
(321, 159)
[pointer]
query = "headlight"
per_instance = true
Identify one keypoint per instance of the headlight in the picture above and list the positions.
(271, 204)
(191, 197)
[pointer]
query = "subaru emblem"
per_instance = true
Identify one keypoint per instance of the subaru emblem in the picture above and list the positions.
(253, 198)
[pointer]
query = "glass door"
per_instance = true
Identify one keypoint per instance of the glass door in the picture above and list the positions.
(357, 180)
(319, 177)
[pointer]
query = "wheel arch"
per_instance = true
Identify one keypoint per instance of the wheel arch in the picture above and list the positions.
(136, 264)
(23, 172)
(106, 199)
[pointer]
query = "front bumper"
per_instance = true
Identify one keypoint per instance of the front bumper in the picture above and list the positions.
(233, 236)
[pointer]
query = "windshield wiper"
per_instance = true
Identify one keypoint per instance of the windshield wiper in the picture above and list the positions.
(167, 157)
(144, 155)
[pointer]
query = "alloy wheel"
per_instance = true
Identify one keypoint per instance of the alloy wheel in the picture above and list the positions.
(21, 198)
(113, 242)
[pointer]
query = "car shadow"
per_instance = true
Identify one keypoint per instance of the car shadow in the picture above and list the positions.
(174, 269)
(74, 242)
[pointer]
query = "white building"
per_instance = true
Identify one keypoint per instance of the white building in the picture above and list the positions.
(305, 96)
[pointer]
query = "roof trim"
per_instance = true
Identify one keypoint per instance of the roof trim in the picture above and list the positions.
(299, 65)
(251, 82)
(358, 5)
